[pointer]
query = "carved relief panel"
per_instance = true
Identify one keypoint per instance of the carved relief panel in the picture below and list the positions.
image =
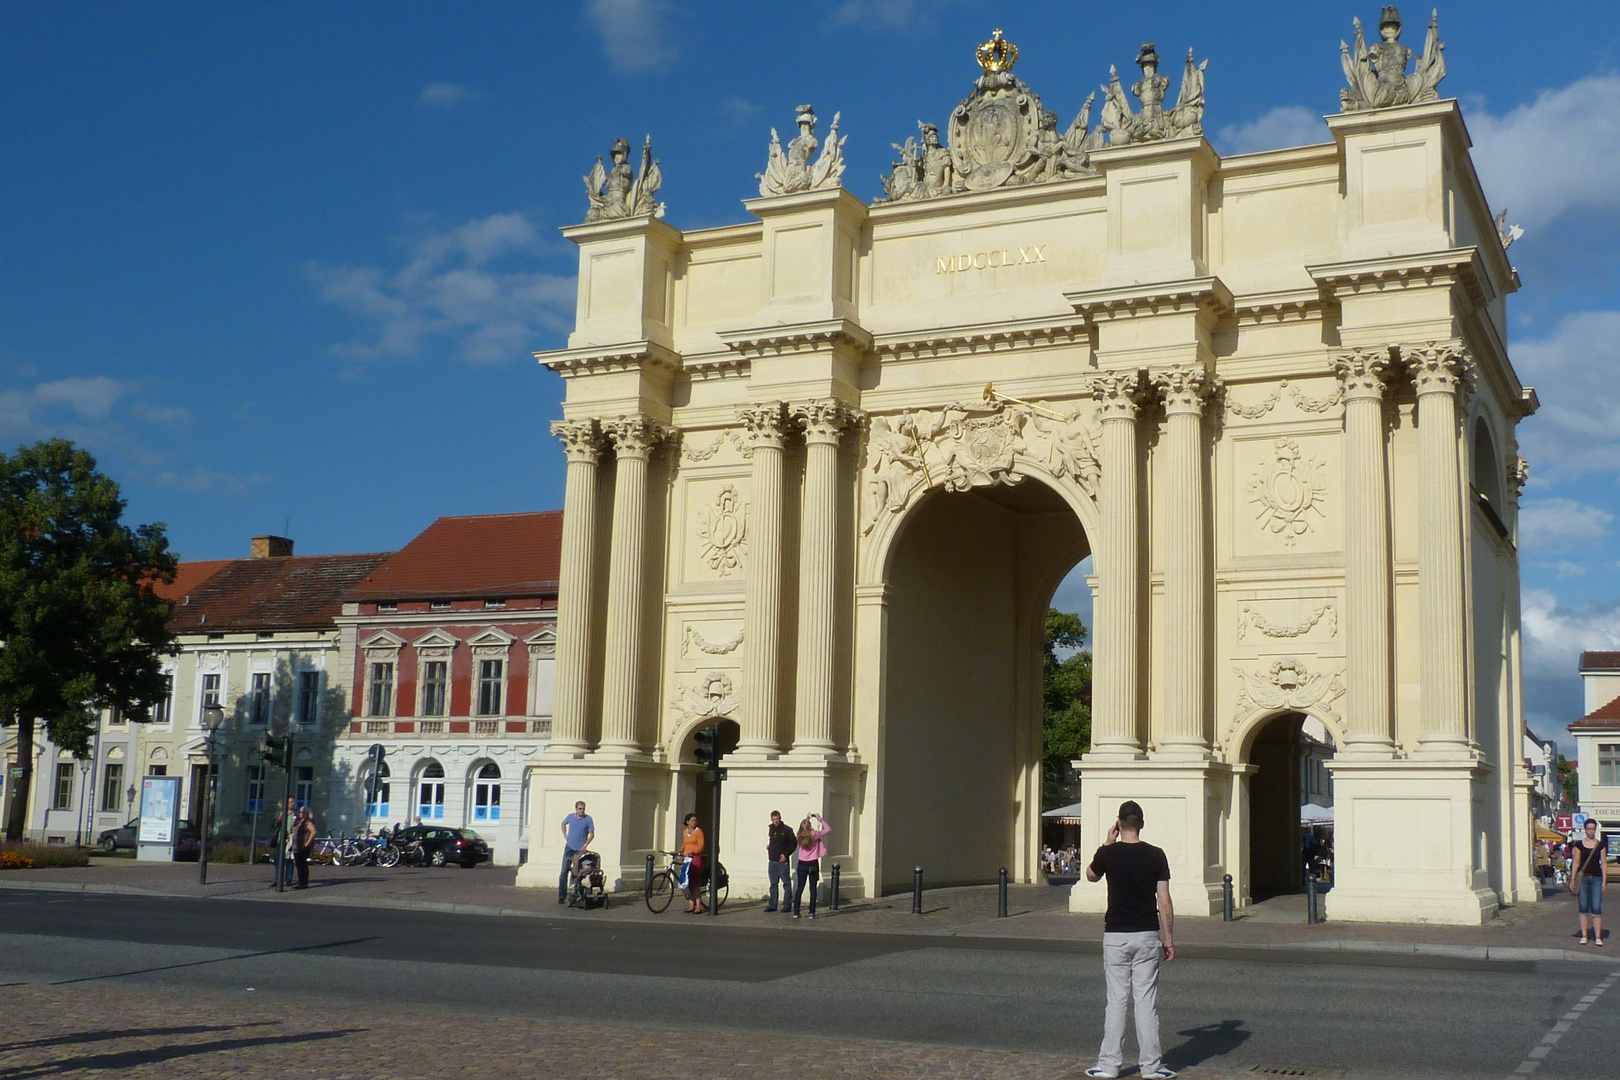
(1282, 494)
(711, 548)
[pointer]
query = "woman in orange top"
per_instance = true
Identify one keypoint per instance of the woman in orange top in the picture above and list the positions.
(692, 849)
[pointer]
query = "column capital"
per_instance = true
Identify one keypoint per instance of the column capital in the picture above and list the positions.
(824, 421)
(581, 439)
(1438, 367)
(1186, 389)
(1364, 372)
(767, 423)
(1120, 393)
(635, 436)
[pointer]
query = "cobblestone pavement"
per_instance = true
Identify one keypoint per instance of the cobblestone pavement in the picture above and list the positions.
(53, 1031)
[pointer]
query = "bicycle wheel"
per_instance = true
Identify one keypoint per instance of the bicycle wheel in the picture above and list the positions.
(723, 887)
(388, 857)
(660, 891)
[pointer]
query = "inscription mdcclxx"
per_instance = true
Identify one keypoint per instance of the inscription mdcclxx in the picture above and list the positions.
(990, 260)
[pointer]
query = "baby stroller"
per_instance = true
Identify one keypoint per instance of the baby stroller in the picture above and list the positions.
(588, 887)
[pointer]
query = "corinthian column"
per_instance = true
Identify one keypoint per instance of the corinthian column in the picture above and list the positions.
(1437, 371)
(633, 440)
(583, 444)
(1367, 581)
(1117, 662)
(762, 603)
(824, 423)
(1186, 731)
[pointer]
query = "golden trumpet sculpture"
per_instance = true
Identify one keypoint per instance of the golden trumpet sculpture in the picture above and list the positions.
(992, 394)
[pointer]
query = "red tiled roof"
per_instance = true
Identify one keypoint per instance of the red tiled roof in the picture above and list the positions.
(1604, 716)
(489, 556)
(1599, 661)
(294, 592)
(188, 576)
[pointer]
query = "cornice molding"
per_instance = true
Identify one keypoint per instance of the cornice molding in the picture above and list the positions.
(1453, 267)
(797, 337)
(602, 359)
(1191, 296)
(984, 338)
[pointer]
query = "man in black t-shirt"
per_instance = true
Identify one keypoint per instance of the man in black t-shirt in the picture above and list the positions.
(1139, 924)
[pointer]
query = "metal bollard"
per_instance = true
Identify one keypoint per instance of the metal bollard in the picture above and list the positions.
(1226, 898)
(1001, 894)
(834, 903)
(916, 891)
(646, 887)
(1310, 899)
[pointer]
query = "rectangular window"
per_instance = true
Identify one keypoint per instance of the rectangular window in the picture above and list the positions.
(382, 689)
(489, 687)
(157, 770)
(1608, 765)
(160, 711)
(387, 609)
(487, 801)
(492, 604)
(430, 800)
(259, 699)
(377, 809)
(210, 690)
(64, 786)
(116, 718)
(435, 682)
(255, 789)
(112, 787)
(309, 697)
(304, 784)
(439, 605)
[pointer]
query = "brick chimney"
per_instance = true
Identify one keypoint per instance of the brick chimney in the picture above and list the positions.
(271, 547)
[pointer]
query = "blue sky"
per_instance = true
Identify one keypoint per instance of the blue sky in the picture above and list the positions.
(282, 266)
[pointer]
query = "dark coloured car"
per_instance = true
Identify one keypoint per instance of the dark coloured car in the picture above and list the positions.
(446, 845)
(124, 836)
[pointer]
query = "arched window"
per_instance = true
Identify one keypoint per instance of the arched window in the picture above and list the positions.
(487, 794)
(1487, 467)
(430, 793)
(378, 796)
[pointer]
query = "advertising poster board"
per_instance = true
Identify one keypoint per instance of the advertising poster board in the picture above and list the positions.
(160, 818)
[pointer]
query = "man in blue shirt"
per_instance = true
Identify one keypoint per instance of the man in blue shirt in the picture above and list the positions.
(578, 831)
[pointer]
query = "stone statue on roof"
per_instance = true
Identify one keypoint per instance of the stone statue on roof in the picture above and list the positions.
(791, 170)
(1377, 74)
(1154, 122)
(618, 192)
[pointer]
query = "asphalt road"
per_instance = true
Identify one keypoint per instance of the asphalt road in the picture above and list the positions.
(1396, 1016)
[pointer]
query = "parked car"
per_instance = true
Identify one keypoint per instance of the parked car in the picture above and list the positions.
(443, 844)
(124, 836)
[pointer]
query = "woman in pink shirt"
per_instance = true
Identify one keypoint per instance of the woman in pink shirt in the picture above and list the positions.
(811, 852)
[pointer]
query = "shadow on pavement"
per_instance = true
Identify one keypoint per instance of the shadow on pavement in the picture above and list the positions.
(129, 1059)
(216, 960)
(1203, 1043)
(125, 1033)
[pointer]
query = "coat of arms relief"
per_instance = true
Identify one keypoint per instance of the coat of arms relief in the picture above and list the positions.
(1288, 491)
(723, 532)
(968, 445)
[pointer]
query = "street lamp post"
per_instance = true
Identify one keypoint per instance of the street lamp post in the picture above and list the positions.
(213, 718)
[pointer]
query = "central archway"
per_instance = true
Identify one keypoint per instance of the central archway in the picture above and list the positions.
(970, 576)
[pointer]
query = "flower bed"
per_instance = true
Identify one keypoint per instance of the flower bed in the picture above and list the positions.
(27, 856)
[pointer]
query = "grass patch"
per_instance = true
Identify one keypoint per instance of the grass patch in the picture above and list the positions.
(28, 856)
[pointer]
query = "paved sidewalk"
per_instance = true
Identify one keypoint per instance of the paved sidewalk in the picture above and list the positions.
(1038, 913)
(98, 1031)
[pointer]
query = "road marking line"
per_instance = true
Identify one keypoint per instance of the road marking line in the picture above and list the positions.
(1533, 1058)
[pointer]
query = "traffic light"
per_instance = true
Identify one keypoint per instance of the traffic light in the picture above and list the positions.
(277, 750)
(706, 746)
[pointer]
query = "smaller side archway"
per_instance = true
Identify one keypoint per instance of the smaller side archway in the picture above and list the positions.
(1286, 780)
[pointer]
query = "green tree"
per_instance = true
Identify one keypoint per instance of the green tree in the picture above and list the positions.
(1066, 719)
(1568, 780)
(82, 628)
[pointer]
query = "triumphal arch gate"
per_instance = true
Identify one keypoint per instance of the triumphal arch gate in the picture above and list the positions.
(827, 465)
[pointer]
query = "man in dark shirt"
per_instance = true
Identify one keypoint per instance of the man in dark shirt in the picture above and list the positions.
(779, 845)
(1139, 924)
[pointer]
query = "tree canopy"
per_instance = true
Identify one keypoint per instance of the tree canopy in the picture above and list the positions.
(82, 628)
(1066, 719)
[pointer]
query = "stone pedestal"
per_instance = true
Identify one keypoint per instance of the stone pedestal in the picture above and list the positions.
(624, 798)
(1407, 843)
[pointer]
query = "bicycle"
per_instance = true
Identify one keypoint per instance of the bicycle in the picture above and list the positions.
(667, 882)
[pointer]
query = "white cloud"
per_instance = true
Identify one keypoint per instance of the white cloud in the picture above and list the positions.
(446, 95)
(636, 34)
(882, 14)
(463, 287)
(91, 398)
(204, 480)
(1555, 636)
(1555, 524)
(1577, 429)
(1558, 153)
(1284, 126)
(72, 408)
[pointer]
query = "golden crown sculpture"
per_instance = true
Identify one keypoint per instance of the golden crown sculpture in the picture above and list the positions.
(997, 55)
